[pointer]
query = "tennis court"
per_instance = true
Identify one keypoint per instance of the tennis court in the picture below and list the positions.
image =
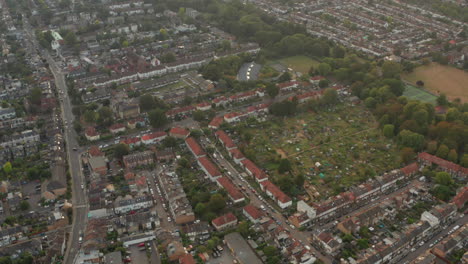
(415, 93)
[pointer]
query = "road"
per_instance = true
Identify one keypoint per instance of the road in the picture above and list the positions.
(302, 237)
(80, 207)
(440, 236)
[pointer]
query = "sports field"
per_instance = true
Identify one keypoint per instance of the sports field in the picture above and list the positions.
(415, 93)
(441, 79)
(297, 63)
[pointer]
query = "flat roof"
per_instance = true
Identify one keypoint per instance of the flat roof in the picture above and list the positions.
(241, 249)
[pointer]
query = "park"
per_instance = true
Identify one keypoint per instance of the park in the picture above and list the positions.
(439, 78)
(333, 149)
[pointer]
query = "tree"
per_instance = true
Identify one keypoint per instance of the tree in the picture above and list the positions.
(411, 139)
(464, 161)
(157, 118)
(324, 68)
(105, 116)
(311, 71)
(453, 114)
(324, 83)
(168, 57)
(121, 150)
(330, 96)
(362, 243)
(299, 180)
(146, 102)
(444, 178)
(169, 142)
(35, 96)
(452, 156)
(198, 115)
(7, 167)
(243, 229)
(442, 151)
(285, 77)
(370, 102)
(407, 154)
(389, 130)
(284, 166)
(270, 251)
(432, 147)
(443, 192)
(70, 38)
(391, 69)
(200, 208)
(24, 205)
(216, 203)
(442, 100)
(89, 116)
(272, 90)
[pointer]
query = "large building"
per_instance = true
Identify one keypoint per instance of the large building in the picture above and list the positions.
(241, 250)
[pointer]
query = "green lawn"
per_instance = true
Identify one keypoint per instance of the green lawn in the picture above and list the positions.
(346, 142)
(297, 63)
(419, 94)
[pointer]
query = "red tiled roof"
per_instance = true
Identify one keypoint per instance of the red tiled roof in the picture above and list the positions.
(306, 95)
(461, 198)
(153, 135)
(193, 145)
(227, 141)
(256, 172)
(179, 131)
(116, 126)
(129, 176)
(94, 151)
(203, 104)
(233, 192)
(91, 132)
(224, 219)
(129, 141)
(187, 259)
(236, 153)
(216, 122)
(180, 110)
(242, 95)
(232, 115)
(253, 211)
(276, 192)
(317, 78)
(410, 169)
(441, 162)
(209, 167)
(219, 99)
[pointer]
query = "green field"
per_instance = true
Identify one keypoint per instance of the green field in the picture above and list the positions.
(297, 63)
(346, 142)
(415, 93)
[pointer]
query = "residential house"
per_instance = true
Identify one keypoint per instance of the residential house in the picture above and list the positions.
(328, 243)
(138, 159)
(7, 113)
(117, 128)
(276, 194)
(98, 165)
(193, 146)
(450, 167)
(224, 222)
(216, 122)
(128, 204)
(209, 168)
(179, 132)
(225, 140)
(252, 169)
(153, 138)
(128, 110)
(91, 134)
(241, 250)
(461, 198)
(234, 194)
(252, 213)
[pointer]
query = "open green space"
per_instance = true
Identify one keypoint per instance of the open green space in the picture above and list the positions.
(415, 93)
(332, 149)
(297, 63)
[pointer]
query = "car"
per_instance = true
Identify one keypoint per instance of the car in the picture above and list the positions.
(142, 244)
(220, 248)
(75, 149)
(80, 239)
(82, 186)
(413, 250)
(431, 245)
(169, 219)
(421, 243)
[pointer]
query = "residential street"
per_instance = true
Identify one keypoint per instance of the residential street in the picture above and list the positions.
(302, 237)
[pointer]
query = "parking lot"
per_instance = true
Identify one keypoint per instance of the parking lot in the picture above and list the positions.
(138, 256)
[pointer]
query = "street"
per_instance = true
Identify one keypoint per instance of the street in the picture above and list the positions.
(302, 237)
(80, 209)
